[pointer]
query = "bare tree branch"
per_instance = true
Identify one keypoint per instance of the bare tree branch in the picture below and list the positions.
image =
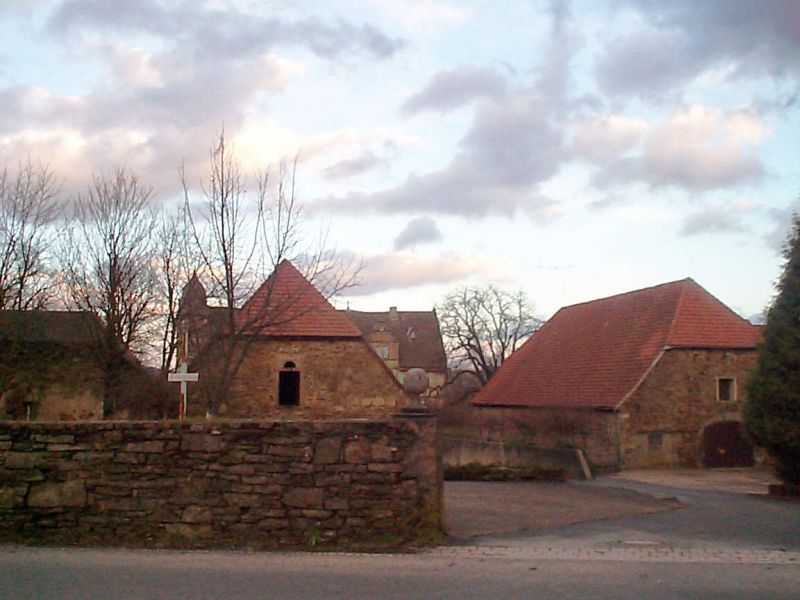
(239, 238)
(107, 258)
(482, 327)
(29, 202)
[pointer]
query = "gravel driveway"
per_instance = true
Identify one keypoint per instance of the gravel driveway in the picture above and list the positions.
(490, 508)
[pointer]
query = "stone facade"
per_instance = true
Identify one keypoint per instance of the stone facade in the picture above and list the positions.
(64, 388)
(593, 431)
(406, 340)
(662, 423)
(338, 378)
(256, 483)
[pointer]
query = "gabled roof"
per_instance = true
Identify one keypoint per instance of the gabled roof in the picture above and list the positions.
(81, 328)
(594, 354)
(417, 334)
(288, 305)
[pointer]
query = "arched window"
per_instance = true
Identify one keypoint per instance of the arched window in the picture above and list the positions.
(289, 385)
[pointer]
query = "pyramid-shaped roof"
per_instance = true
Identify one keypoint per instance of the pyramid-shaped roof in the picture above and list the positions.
(594, 354)
(288, 305)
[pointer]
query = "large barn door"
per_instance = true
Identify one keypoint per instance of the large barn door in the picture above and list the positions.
(724, 445)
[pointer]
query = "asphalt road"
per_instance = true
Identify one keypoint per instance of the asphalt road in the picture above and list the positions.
(718, 545)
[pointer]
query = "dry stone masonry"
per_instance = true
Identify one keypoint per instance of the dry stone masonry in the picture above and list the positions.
(201, 484)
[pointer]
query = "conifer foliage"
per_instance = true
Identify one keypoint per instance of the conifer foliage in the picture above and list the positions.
(772, 412)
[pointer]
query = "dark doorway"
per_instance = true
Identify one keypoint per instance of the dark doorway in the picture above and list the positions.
(289, 386)
(724, 445)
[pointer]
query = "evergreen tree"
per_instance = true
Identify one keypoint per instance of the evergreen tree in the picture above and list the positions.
(772, 411)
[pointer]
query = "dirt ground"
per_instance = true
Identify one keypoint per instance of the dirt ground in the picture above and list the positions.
(751, 480)
(496, 508)
(492, 508)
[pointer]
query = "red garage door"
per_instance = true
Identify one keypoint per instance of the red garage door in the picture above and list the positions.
(724, 446)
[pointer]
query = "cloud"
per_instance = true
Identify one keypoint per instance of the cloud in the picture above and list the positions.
(203, 29)
(698, 149)
(515, 142)
(601, 139)
(719, 218)
(687, 38)
(418, 231)
(607, 202)
(782, 220)
(428, 15)
(353, 166)
(448, 90)
(174, 74)
(398, 270)
(511, 147)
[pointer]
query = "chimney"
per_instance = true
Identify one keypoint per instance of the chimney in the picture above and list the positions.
(393, 313)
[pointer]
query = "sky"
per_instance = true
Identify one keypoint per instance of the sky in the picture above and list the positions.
(574, 150)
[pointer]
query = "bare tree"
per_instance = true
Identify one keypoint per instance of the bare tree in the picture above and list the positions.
(482, 326)
(239, 238)
(28, 204)
(172, 262)
(107, 259)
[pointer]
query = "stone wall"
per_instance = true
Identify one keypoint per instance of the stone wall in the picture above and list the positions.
(592, 431)
(459, 452)
(338, 378)
(676, 401)
(248, 483)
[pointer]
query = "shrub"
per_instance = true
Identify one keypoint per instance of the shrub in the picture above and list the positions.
(772, 410)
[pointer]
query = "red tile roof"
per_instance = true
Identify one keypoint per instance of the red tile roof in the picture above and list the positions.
(594, 354)
(417, 334)
(288, 305)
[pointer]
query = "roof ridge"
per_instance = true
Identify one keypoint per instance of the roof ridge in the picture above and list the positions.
(622, 294)
(677, 312)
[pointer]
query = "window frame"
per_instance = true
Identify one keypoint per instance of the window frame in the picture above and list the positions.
(289, 372)
(733, 392)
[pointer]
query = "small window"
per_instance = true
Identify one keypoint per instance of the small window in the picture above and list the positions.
(726, 389)
(289, 385)
(382, 350)
(655, 442)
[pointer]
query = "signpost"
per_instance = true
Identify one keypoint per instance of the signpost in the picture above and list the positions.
(183, 377)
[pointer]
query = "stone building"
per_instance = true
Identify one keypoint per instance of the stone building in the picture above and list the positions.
(49, 367)
(406, 340)
(299, 356)
(651, 378)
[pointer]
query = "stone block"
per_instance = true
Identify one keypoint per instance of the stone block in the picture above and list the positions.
(53, 438)
(188, 531)
(304, 498)
(196, 514)
(50, 494)
(357, 451)
(301, 453)
(201, 442)
(328, 451)
(243, 500)
(153, 446)
(384, 468)
(336, 504)
(313, 513)
(7, 497)
(21, 460)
